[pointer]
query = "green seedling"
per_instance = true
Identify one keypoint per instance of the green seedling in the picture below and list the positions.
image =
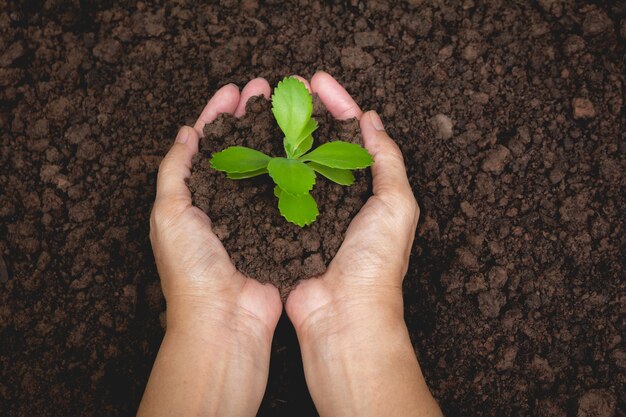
(294, 175)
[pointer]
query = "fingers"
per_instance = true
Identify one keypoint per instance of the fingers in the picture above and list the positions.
(176, 167)
(225, 100)
(336, 99)
(388, 170)
(256, 87)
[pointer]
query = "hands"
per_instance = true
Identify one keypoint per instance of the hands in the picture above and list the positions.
(196, 273)
(357, 355)
(214, 359)
(356, 350)
(371, 263)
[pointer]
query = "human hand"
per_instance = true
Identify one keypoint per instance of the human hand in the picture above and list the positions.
(356, 351)
(214, 359)
(196, 272)
(370, 265)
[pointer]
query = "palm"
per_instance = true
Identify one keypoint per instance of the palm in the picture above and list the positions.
(367, 248)
(191, 259)
(193, 252)
(373, 256)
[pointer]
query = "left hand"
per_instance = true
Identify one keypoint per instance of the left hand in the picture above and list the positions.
(196, 272)
(214, 359)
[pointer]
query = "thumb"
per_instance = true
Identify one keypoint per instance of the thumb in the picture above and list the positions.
(176, 167)
(388, 170)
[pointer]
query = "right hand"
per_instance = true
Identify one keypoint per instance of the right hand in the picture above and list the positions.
(369, 267)
(356, 351)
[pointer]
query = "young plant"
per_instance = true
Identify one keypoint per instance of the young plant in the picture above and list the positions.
(294, 175)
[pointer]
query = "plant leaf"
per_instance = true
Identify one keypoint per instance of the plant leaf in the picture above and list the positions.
(291, 175)
(341, 155)
(303, 148)
(300, 209)
(292, 106)
(307, 131)
(340, 176)
(244, 175)
(238, 159)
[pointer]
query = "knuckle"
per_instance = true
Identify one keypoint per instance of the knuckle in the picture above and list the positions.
(166, 168)
(391, 148)
(170, 160)
(390, 156)
(404, 202)
(396, 195)
(165, 162)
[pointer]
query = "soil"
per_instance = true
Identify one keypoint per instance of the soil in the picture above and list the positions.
(511, 119)
(245, 216)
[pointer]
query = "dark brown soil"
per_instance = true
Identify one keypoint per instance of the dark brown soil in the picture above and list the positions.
(245, 216)
(511, 119)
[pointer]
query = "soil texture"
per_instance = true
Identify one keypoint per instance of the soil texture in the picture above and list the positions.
(511, 119)
(244, 213)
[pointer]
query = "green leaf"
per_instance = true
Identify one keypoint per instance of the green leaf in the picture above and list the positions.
(303, 148)
(291, 175)
(239, 159)
(302, 145)
(244, 175)
(297, 209)
(340, 154)
(292, 106)
(340, 176)
(308, 130)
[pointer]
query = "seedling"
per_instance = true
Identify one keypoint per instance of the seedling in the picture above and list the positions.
(294, 175)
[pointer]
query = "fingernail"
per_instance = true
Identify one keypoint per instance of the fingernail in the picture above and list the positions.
(376, 122)
(183, 135)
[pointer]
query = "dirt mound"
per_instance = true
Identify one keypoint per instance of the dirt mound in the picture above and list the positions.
(245, 216)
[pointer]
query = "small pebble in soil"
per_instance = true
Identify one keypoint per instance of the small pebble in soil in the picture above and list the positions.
(14, 52)
(467, 259)
(468, 209)
(583, 108)
(495, 161)
(470, 53)
(507, 357)
(497, 277)
(596, 21)
(442, 125)
(596, 403)
(490, 303)
(573, 44)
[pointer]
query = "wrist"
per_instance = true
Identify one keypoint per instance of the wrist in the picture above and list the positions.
(209, 317)
(353, 362)
(214, 361)
(358, 314)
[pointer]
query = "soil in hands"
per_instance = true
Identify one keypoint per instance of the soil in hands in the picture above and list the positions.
(245, 216)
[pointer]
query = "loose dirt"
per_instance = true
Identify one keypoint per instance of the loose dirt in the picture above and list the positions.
(511, 119)
(245, 216)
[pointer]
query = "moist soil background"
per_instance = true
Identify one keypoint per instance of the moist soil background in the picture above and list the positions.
(511, 120)
(245, 216)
